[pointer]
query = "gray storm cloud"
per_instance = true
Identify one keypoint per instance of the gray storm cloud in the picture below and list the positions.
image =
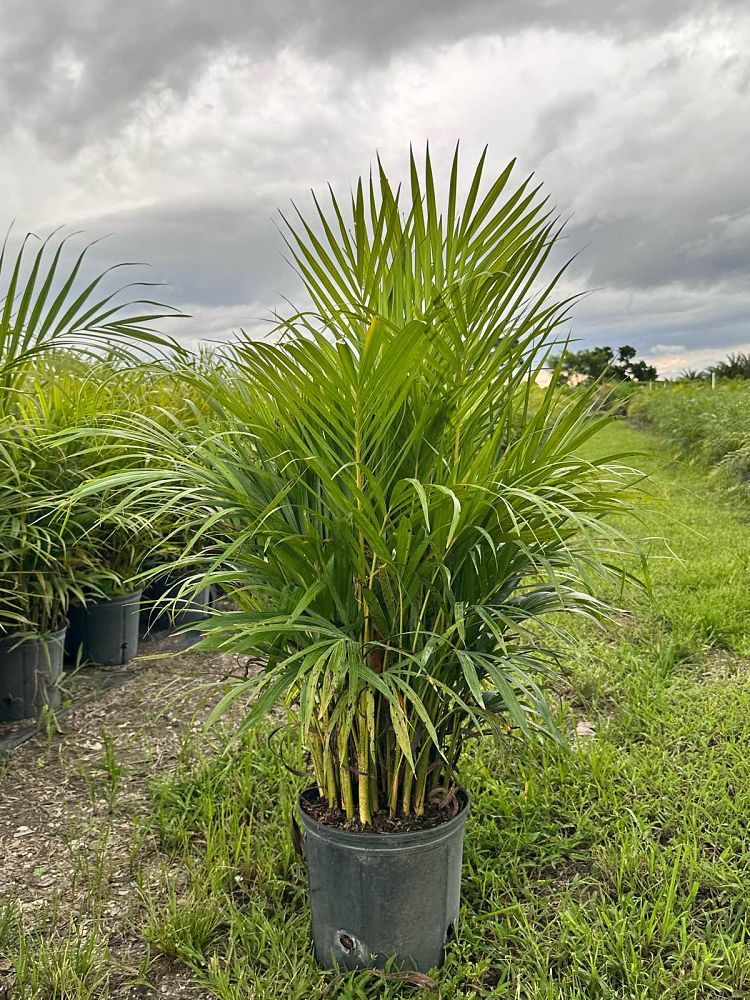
(75, 68)
(180, 127)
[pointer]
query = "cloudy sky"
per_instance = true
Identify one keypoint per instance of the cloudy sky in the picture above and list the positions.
(180, 126)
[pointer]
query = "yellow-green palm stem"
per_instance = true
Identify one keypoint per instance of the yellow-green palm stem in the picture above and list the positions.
(317, 753)
(347, 793)
(345, 775)
(366, 762)
(406, 791)
(363, 782)
(423, 764)
(393, 797)
(331, 790)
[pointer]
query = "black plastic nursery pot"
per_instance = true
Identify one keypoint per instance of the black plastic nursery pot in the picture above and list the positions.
(30, 670)
(105, 632)
(160, 609)
(381, 896)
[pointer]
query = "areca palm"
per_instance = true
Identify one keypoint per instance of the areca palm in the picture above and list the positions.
(47, 305)
(401, 522)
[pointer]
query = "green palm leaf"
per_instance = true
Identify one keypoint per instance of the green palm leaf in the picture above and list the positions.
(403, 512)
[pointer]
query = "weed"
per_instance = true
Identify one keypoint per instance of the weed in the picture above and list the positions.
(105, 778)
(111, 769)
(74, 965)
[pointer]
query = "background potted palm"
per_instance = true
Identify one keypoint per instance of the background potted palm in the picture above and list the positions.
(405, 513)
(36, 577)
(117, 552)
(110, 546)
(45, 306)
(169, 599)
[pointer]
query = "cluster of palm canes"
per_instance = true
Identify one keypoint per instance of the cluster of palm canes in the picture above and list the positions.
(398, 512)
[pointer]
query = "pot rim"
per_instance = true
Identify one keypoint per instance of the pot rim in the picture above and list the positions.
(384, 841)
(99, 602)
(17, 639)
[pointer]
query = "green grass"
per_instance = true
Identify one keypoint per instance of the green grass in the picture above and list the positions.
(699, 555)
(705, 424)
(620, 869)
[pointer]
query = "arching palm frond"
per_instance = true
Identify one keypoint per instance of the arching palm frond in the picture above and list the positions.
(403, 511)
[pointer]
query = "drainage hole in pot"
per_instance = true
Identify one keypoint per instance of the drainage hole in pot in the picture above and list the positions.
(450, 932)
(347, 942)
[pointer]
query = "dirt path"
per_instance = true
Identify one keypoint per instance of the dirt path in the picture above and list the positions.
(71, 801)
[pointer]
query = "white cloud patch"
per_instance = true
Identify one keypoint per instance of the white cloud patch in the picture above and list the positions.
(206, 325)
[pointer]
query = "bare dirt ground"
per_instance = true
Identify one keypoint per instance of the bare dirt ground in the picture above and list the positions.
(70, 802)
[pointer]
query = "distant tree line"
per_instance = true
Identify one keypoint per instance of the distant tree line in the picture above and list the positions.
(735, 366)
(602, 362)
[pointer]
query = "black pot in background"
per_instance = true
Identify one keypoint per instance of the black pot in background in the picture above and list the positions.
(377, 896)
(160, 609)
(105, 632)
(30, 671)
(187, 611)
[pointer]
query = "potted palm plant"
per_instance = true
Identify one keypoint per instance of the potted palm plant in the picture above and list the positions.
(108, 548)
(35, 576)
(405, 514)
(103, 626)
(115, 550)
(44, 307)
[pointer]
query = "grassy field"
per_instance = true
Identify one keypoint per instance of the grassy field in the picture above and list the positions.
(711, 425)
(619, 869)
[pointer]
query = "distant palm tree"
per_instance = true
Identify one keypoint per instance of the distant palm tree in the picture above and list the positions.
(735, 366)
